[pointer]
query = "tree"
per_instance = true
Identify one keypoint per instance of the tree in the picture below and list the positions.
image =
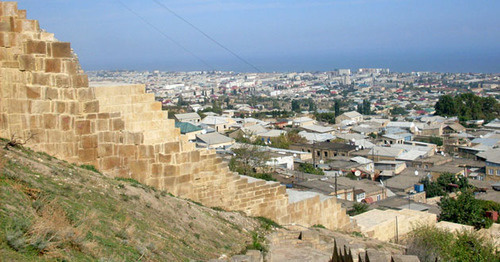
(358, 208)
(441, 186)
(336, 107)
(249, 160)
(325, 117)
(434, 244)
(463, 210)
(310, 169)
(312, 106)
(399, 111)
(468, 106)
(295, 106)
(445, 106)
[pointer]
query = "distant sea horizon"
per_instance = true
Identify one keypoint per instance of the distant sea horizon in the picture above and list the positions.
(439, 63)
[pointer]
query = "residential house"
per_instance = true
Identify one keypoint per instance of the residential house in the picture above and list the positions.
(391, 139)
(380, 153)
(390, 168)
(492, 159)
(406, 180)
(313, 128)
(409, 126)
(189, 130)
(347, 189)
(214, 141)
(349, 117)
(315, 137)
(495, 124)
(432, 129)
(218, 123)
(453, 128)
(303, 121)
(193, 118)
(325, 150)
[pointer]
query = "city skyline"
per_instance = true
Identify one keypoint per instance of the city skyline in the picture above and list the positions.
(449, 36)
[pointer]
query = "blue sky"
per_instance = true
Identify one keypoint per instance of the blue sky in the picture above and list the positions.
(279, 35)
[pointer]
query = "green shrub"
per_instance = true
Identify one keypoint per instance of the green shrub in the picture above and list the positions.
(268, 223)
(358, 208)
(318, 226)
(265, 176)
(433, 244)
(90, 168)
(309, 168)
(257, 243)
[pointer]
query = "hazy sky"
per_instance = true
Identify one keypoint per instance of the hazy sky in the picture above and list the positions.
(279, 35)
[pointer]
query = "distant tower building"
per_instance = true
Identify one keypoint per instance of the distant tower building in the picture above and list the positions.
(344, 72)
(346, 80)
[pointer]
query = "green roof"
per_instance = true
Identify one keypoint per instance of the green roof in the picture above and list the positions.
(187, 127)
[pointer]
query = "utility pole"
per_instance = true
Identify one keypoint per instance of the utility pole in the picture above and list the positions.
(314, 150)
(397, 233)
(336, 175)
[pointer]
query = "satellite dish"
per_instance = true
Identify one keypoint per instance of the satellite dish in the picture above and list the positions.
(340, 173)
(357, 173)
(442, 153)
(416, 172)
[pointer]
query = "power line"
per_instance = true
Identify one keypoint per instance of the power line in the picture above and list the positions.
(207, 36)
(166, 36)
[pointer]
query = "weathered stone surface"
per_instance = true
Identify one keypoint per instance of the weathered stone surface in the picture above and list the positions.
(60, 49)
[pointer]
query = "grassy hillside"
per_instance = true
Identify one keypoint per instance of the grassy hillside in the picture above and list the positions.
(54, 210)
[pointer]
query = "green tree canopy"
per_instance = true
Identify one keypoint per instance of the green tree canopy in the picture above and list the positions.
(468, 106)
(465, 209)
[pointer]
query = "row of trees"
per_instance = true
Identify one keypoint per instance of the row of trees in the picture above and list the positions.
(443, 185)
(468, 107)
(465, 208)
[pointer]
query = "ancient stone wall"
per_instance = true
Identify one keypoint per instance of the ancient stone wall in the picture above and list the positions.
(123, 131)
(387, 225)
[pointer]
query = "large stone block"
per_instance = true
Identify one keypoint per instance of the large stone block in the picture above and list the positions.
(60, 49)
(49, 121)
(82, 127)
(34, 92)
(61, 80)
(91, 107)
(117, 124)
(39, 106)
(127, 151)
(139, 167)
(87, 155)
(80, 80)
(51, 93)
(66, 122)
(105, 150)
(27, 63)
(109, 162)
(89, 141)
(53, 65)
(8, 8)
(35, 47)
(5, 26)
(24, 25)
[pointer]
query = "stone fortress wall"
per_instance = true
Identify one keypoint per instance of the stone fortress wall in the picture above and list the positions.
(123, 131)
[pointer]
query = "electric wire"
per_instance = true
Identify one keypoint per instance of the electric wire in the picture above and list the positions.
(166, 36)
(207, 36)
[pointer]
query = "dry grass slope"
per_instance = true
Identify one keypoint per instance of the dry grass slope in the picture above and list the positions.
(54, 210)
